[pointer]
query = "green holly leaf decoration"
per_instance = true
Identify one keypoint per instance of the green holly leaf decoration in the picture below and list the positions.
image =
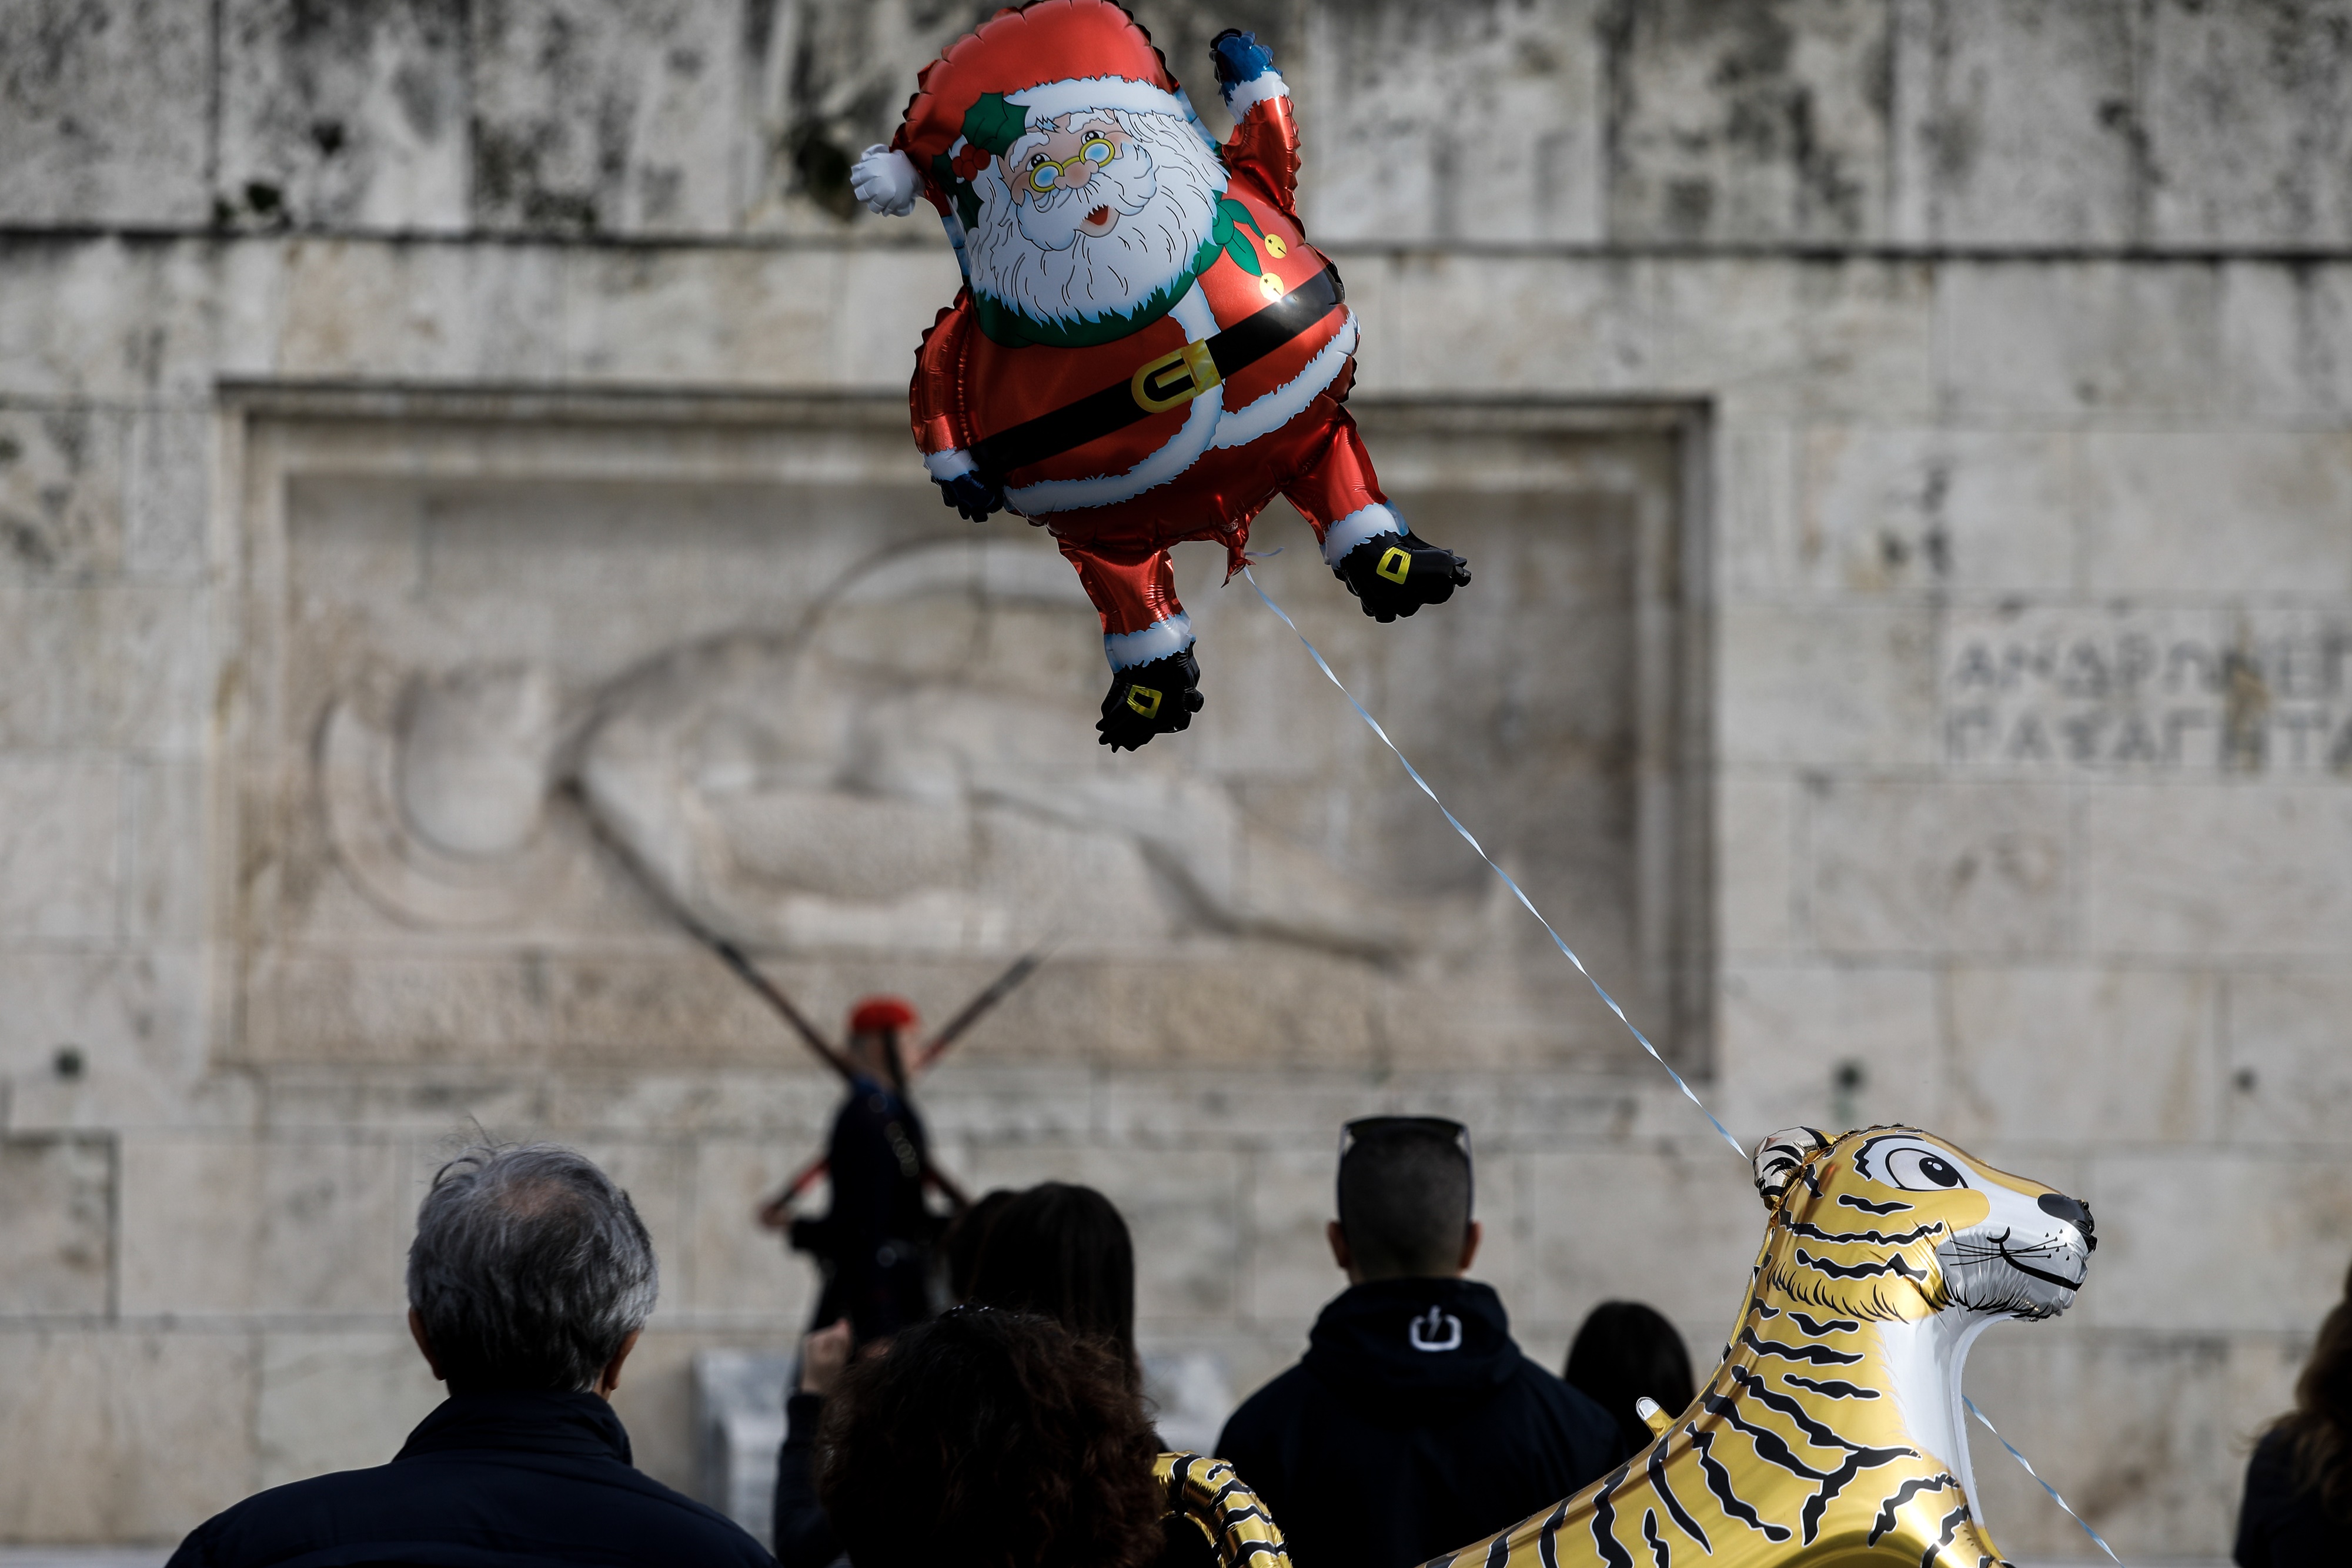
(1227, 233)
(993, 123)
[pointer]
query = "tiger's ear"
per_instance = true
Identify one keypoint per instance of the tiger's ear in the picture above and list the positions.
(1778, 1157)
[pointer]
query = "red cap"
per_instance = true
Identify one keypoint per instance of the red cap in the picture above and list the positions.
(875, 1014)
(1021, 68)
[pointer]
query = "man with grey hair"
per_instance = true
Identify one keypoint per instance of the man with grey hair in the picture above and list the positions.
(529, 1282)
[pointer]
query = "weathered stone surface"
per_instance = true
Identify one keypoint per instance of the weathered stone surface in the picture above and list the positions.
(2289, 1055)
(2085, 1056)
(2165, 871)
(2066, 339)
(1437, 124)
(2107, 1415)
(2022, 127)
(1813, 1045)
(103, 110)
(337, 1400)
(111, 665)
(1907, 868)
(1582, 1247)
(1915, 512)
(1755, 865)
(2243, 109)
(345, 119)
(57, 1249)
(60, 849)
(591, 118)
(2214, 514)
(61, 506)
(1748, 122)
(2272, 1232)
(121, 1435)
(1843, 684)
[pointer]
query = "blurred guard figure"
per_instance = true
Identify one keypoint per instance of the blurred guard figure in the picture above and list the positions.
(528, 1283)
(876, 1243)
(1413, 1425)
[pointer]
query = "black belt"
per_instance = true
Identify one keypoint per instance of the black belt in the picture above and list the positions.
(1176, 377)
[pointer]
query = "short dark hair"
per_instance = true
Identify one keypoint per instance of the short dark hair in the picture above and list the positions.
(1625, 1351)
(1062, 1252)
(528, 1270)
(1404, 1195)
(990, 1439)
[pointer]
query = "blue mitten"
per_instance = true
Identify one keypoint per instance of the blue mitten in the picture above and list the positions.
(1239, 57)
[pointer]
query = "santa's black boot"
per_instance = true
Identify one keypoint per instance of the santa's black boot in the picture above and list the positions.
(1150, 699)
(1396, 574)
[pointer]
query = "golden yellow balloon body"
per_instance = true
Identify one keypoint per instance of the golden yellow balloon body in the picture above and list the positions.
(1831, 1432)
(1226, 1512)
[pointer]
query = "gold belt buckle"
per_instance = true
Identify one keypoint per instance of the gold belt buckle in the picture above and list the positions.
(1176, 377)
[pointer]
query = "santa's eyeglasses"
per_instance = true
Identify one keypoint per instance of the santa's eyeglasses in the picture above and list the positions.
(1099, 150)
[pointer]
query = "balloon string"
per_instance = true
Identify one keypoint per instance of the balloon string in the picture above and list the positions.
(2097, 1538)
(1414, 774)
(1517, 891)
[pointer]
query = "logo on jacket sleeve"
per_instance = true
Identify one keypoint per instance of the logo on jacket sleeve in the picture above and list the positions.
(1434, 1330)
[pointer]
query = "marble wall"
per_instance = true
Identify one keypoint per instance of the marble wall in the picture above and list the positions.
(1983, 733)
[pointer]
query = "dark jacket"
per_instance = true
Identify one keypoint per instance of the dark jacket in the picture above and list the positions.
(804, 1536)
(2278, 1526)
(484, 1481)
(1413, 1425)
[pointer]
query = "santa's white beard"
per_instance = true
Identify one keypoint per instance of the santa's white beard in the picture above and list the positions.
(1034, 258)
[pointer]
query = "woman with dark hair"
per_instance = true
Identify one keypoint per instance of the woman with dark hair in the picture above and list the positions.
(2297, 1511)
(1626, 1352)
(998, 1439)
(1062, 1252)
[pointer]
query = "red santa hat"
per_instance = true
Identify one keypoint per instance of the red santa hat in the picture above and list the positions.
(1020, 70)
(876, 1014)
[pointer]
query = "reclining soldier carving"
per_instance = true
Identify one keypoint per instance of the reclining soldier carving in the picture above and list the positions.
(1832, 1431)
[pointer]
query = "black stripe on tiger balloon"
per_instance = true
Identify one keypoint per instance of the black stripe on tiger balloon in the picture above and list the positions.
(1769, 1446)
(1675, 1509)
(1861, 1459)
(1658, 1552)
(1812, 1354)
(1899, 1238)
(1893, 1265)
(1756, 1304)
(1604, 1521)
(1817, 1434)
(1548, 1538)
(1718, 1481)
(1952, 1523)
(1244, 1551)
(1867, 1207)
(1498, 1551)
(1903, 1494)
(1829, 1389)
(1833, 1325)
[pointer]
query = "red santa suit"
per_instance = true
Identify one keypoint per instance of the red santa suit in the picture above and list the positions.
(1127, 431)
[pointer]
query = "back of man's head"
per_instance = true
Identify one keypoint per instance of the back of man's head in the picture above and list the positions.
(528, 1271)
(1404, 1196)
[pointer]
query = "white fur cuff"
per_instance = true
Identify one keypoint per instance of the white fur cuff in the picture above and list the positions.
(1127, 649)
(1364, 523)
(885, 181)
(950, 465)
(1248, 95)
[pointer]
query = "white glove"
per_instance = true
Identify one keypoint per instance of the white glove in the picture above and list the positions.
(885, 180)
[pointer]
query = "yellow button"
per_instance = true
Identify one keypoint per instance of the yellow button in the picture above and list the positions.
(1274, 247)
(1269, 284)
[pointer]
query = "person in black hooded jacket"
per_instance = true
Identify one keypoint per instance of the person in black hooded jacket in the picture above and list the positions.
(1413, 1425)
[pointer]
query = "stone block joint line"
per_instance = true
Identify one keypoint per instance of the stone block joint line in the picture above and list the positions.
(1599, 989)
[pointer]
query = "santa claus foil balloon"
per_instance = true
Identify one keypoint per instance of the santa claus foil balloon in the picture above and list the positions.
(1145, 350)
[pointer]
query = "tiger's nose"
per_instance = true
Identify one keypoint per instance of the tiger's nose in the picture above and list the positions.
(2058, 1205)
